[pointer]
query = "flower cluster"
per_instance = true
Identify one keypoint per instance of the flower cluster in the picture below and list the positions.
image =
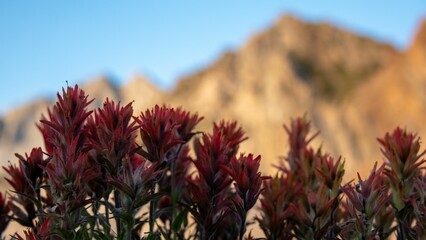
(406, 180)
(210, 189)
(366, 204)
(107, 174)
(307, 199)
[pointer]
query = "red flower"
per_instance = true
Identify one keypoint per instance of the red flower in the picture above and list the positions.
(331, 172)
(112, 134)
(68, 172)
(365, 202)
(401, 150)
(210, 190)
(186, 122)
(403, 170)
(42, 232)
(23, 188)
(158, 133)
(31, 165)
(25, 181)
(66, 120)
(248, 180)
(298, 139)
(275, 212)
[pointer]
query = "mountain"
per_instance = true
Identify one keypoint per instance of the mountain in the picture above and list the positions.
(353, 88)
(287, 70)
(395, 96)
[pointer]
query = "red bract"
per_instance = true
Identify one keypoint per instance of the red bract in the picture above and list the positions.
(403, 170)
(318, 176)
(365, 202)
(66, 120)
(215, 150)
(68, 171)
(186, 122)
(248, 180)
(28, 235)
(65, 138)
(401, 150)
(41, 232)
(111, 134)
(230, 135)
(275, 212)
(314, 214)
(25, 181)
(69, 179)
(331, 172)
(162, 129)
(158, 133)
(24, 189)
(18, 180)
(298, 139)
(31, 165)
(209, 190)
(302, 160)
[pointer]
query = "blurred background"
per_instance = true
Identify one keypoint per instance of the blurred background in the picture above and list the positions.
(356, 69)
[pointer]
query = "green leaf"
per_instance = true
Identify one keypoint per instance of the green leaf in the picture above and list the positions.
(162, 232)
(152, 236)
(177, 222)
(142, 201)
(31, 198)
(99, 235)
(126, 189)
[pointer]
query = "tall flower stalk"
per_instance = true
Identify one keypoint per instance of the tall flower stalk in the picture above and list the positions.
(403, 170)
(210, 189)
(68, 170)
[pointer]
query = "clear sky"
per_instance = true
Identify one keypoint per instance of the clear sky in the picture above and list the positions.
(45, 43)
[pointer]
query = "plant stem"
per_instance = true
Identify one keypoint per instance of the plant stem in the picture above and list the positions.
(243, 218)
(173, 191)
(401, 233)
(242, 228)
(151, 212)
(108, 229)
(117, 201)
(128, 232)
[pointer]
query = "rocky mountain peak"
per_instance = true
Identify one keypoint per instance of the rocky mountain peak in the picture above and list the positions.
(417, 51)
(100, 88)
(331, 60)
(141, 92)
(420, 37)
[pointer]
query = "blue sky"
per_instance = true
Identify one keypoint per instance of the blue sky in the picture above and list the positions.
(43, 44)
